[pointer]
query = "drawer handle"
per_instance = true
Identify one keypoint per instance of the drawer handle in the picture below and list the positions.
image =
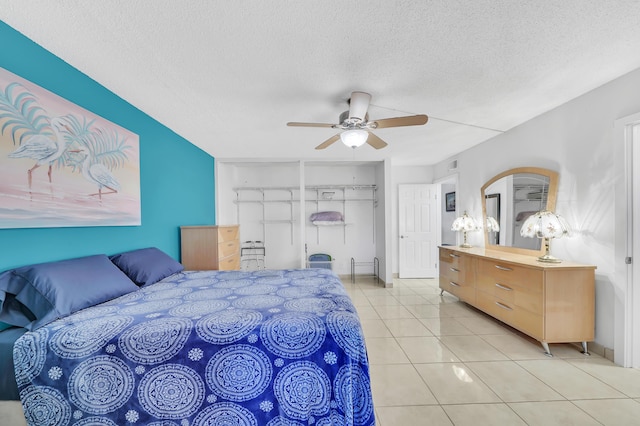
(503, 306)
(503, 287)
(230, 245)
(454, 270)
(502, 268)
(454, 284)
(454, 255)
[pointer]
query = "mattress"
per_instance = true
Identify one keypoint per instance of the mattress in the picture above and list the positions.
(8, 386)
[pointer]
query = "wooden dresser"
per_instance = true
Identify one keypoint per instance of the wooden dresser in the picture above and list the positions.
(551, 302)
(210, 247)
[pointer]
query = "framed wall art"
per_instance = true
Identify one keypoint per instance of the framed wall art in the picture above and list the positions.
(450, 201)
(61, 165)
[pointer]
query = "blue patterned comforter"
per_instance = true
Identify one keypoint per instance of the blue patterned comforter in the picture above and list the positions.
(198, 348)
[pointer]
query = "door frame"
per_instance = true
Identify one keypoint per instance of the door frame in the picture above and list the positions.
(626, 323)
(451, 179)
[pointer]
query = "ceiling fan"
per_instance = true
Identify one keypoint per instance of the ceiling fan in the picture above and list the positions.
(356, 127)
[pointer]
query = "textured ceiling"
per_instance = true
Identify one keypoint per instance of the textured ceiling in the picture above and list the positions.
(229, 75)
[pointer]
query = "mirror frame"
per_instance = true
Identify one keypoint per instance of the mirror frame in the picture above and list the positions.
(551, 205)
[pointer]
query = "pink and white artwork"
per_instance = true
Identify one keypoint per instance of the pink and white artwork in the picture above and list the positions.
(61, 165)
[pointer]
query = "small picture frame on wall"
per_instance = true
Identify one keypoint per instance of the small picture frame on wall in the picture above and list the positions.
(450, 201)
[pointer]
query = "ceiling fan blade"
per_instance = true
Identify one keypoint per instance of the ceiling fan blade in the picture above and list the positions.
(410, 120)
(296, 124)
(375, 141)
(328, 142)
(359, 104)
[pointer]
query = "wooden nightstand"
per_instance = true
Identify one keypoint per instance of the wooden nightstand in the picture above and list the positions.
(210, 247)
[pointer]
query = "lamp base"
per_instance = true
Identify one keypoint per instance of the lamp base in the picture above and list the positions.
(465, 245)
(549, 259)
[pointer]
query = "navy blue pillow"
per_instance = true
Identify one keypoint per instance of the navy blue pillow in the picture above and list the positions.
(57, 289)
(146, 266)
(12, 312)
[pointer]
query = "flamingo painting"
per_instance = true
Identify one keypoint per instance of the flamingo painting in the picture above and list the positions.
(39, 130)
(97, 173)
(44, 149)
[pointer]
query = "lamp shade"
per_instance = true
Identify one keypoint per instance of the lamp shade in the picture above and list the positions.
(545, 224)
(354, 138)
(492, 224)
(465, 223)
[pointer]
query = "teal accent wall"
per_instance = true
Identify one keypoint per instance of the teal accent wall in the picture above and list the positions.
(177, 178)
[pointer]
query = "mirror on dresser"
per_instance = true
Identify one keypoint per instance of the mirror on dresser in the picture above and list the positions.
(510, 198)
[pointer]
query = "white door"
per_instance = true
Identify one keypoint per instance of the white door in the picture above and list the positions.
(417, 207)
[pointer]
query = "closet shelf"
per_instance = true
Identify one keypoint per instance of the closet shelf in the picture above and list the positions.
(295, 197)
(266, 201)
(340, 199)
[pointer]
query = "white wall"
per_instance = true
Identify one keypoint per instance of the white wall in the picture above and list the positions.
(577, 140)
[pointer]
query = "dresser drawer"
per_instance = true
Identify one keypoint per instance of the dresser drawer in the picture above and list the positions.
(450, 271)
(449, 257)
(228, 248)
(523, 297)
(462, 291)
(510, 313)
(491, 272)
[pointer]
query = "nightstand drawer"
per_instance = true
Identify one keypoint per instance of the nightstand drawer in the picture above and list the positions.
(227, 233)
(228, 248)
(230, 263)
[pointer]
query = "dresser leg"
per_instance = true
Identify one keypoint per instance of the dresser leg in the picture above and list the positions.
(441, 291)
(547, 352)
(584, 348)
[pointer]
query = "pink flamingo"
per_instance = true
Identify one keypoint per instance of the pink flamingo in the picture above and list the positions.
(43, 149)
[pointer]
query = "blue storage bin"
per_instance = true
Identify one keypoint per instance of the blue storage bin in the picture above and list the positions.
(320, 260)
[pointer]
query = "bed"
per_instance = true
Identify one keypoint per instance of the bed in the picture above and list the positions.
(268, 347)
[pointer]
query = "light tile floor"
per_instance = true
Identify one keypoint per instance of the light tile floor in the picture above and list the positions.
(437, 361)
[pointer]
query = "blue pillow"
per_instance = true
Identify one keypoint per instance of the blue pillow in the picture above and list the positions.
(12, 312)
(146, 266)
(57, 289)
(4, 326)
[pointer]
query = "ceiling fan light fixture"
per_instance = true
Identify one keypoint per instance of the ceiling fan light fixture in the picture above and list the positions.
(354, 138)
